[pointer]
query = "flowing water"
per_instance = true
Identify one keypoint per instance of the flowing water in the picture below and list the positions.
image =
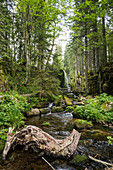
(92, 142)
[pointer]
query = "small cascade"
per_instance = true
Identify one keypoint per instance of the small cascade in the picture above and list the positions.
(49, 107)
(66, 81)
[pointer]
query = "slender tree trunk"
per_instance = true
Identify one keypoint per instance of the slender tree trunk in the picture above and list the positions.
(86, 55)
(104, 41)
(27, 43)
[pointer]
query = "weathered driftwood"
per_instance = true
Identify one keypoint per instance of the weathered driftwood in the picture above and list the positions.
(40, 140)
(102, 162)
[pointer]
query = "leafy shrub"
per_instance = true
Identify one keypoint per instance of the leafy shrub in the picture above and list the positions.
(12, 107)
(69, 109)
(34, 100)
(110, 140)
(93, 110)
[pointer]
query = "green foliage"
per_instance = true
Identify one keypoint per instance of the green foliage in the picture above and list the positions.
(93, 110)
(45, 85)
(11, 108)
(110, 140)
(3, 136)
(58, 100)
(34, 100)
(69, 109)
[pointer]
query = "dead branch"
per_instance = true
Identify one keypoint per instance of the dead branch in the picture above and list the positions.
(103, 162)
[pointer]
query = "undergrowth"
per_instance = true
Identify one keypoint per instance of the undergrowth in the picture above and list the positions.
(94, 110)
(12, 107)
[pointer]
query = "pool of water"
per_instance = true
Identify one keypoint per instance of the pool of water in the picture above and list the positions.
(92, 142)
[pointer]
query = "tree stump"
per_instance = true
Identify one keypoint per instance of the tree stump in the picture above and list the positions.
(34, 137)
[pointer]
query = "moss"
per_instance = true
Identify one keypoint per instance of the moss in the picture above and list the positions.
(68, 101)
(79, 159)
(69, 109)
(46, 124)
(57, 109)
(80, 123)
(44, 110)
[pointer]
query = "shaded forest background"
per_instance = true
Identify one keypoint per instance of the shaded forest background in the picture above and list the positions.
(30, 59)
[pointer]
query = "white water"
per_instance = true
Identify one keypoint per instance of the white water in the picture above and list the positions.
(66, 81)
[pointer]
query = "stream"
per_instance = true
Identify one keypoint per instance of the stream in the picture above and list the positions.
(92, 142)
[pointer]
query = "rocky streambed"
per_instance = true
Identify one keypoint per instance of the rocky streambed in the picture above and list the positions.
(93, 142)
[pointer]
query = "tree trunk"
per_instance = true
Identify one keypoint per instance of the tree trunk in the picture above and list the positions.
(86, 55)
(104, 41)
(38, 140)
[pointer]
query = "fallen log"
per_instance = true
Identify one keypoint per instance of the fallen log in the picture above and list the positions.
(34, 137)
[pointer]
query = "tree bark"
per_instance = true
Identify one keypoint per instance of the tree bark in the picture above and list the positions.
(37, 139)
(104, 41)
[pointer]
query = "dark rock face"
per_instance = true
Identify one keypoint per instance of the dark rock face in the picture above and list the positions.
(106, 83)
(61, 78)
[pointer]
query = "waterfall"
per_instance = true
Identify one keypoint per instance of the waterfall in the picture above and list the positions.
(66, 81)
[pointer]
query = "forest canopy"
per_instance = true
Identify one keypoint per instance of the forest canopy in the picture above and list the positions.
(29, 55)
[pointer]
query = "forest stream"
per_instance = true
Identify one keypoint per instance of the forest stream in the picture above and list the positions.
(92, 142)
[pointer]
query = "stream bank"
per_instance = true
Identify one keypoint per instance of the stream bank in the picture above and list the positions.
(59, 124)
(92, 142)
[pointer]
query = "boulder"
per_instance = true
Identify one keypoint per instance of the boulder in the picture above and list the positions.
(79, 160)
(81, 124)
(78, 103)
(44, 110)
(34, 112)
(68, 101)
(107, 106)
(57, 109)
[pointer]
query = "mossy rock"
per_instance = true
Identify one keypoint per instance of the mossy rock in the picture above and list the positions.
(69, 109)
(107, 106)
(82, 124)
(46, 124)
(57, 109)
(44, 110)
(34, 112)
(88, 97)
(68, 101)
(79, 160)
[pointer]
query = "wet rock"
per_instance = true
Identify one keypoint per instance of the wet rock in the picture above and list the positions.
(107, 106)
(57, 109)
(81, 124)
(88, 97)
(68, 101)
(79, 160)
(44, 110)
(34, 112)
(78, 103)
(81, 98)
